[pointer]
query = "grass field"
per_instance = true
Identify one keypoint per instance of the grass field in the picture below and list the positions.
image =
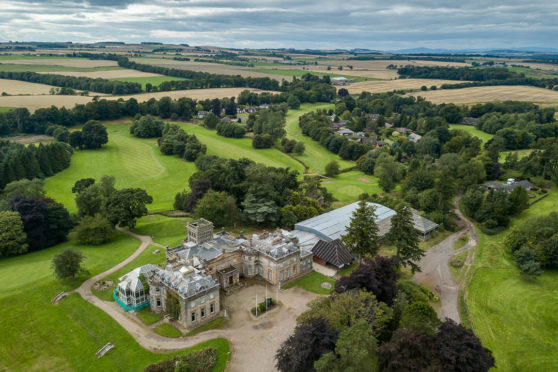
(39, 336)
(491, 93)
(346, 187)
(168, 330)
(473, 131)
(315, 156)
(169, 231)
(132, 161)
(312, 283)
(148, 317)
(153, 80)
(238, 148)
(515, 318)
(6, 109)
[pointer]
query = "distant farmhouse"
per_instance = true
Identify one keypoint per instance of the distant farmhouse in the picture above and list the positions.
(341, 81)
(509, 186)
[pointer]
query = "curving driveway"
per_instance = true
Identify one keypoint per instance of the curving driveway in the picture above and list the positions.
(253, 342)
(435, 272)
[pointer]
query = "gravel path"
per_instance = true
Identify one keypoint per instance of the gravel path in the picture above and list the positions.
(435, 272)
(253, 341)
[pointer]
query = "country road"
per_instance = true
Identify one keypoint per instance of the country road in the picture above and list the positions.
(245, 334)
(435, 272)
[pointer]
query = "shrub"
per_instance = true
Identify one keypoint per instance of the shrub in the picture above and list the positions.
(93, 230)
(196, 361)
(332, 169)
(263, 306)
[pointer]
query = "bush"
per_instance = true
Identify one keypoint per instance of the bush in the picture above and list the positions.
(147, 127)
(93, 230)
(269, 303)
(332, 169)
(262, 141)
(195, 361)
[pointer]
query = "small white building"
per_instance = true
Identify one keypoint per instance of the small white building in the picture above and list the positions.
(341, 80)
(131, 293)
(202, 114)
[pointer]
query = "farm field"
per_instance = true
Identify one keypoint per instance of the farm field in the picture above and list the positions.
(238, 148)
(289, 72)
(397, 84)
(491, 93)
(153, 80)
(514, 317)
(17, 87)
(35, 102)
(473, 131)
(21, 67)
(66, 62)
(315, 156)
(65, 337)
(106, 73)
(5, 109)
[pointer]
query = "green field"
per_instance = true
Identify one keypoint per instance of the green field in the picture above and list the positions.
(473, 131)
(237, 148)
(514, 317)
(5, 109)
(346, 187)
(169, 231)
(39, 336)
(299, 73)
(153, 80)
(315, 156)
(167, 330)
(14, 67)
(312, 283)
(520, 154)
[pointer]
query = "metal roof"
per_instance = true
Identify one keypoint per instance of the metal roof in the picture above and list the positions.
(332, 225)
(333, 253)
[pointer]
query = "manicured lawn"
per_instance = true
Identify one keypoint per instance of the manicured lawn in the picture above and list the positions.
(473, 131)
(153, 80)
(147, 257)
(39, 336)
(168, 330)
(169, 231)
(514, 317)
(214, 324)
(148, 317)
(315, 156)
(347, 187)
(132, 161)
(238, 148)
(312, 283)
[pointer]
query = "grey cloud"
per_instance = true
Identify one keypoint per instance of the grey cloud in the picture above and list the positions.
(380, 24)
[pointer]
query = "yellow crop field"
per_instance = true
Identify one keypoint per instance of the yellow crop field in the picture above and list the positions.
(493, 93)
(378, 86)
(66, 62)
(108, 74)
(16, 87)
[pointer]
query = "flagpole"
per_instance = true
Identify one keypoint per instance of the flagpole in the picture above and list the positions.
(265, 296)
(256, 304)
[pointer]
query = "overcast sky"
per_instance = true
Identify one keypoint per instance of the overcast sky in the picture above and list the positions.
(314, 24)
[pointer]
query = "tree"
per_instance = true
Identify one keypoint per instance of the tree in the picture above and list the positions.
(526, 258)
(472, 201)
(82, 184)
(332, 169)
(408, 351)
(355, 351)
(262, 141)
(293, 102)
(67, 264)
(124, 206)
(308, 343)
(13, 240)
(75, 139)
(58, 224)
(343, 92)
(93, 199)
(93, 135)
(187, 201)
(217, 207)
(342, 310)
(260, 210)
(547, 252)
(519, 200)
(230, 108)
(33, 213)
(515, 239)
(378, 276)
(299, 148)
(93, 230)
(362, 232)
(406, 238)
(147, 127)
(420, 316)
(388, 171)
(211, 120)
(458, 349)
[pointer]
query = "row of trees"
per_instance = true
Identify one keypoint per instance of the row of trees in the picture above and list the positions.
(75, 82)
(19, 162)
(175, 141)
(228, 190)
